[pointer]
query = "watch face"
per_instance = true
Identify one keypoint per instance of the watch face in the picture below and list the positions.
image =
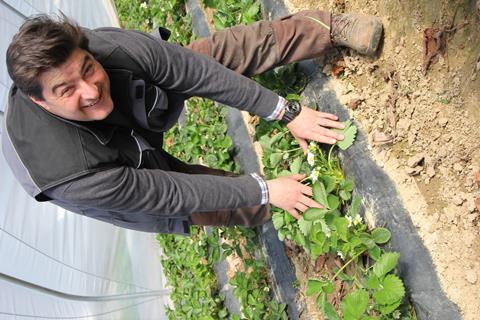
(294, 107)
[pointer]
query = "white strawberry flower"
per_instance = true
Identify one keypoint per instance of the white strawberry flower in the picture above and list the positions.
(340, 254)
(143, 5)
(328, 233)
(314, 175)
(350, 221)
(397, 314)
(357, 219)
(310, 158)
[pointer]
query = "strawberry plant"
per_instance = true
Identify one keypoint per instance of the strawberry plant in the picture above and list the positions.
(229, 13)
(188, 264)
(251, 284)
(337, 230)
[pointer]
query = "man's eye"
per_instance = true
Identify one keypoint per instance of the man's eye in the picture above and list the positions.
(67, 91)
(89, 70)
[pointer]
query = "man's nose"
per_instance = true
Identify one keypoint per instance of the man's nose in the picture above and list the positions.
(89, 91)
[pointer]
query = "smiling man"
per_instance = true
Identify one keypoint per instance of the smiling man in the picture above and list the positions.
(88, 108)
(79, 89)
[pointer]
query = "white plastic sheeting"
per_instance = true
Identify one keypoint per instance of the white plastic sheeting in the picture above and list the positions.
(55, 264)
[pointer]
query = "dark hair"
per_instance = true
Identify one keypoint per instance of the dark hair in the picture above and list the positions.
(43, 42)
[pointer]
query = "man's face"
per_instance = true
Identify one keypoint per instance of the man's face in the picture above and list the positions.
(79, 89)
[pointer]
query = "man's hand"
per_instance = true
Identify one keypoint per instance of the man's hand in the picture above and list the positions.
(312, 125)
(290, 195)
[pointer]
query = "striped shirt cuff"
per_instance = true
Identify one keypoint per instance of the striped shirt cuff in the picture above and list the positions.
(263, 187)
(278, 109)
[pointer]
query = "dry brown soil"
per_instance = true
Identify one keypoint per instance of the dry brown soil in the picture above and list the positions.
(423, 129)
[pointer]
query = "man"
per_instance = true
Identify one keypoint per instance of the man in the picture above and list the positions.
(87, 110)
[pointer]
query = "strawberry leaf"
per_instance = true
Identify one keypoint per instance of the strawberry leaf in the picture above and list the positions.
(391, 292)
(314, 286)
(341, 224)
(330, 312)
(385, 264)
(278, 221)
(313, 214)
(355, 304)
(329, 183)
(305, 226)
(296, 165)
(320, 194)
(349, 133)
(381, 235)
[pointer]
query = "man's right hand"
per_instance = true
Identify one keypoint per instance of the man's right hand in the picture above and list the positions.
(289, 194)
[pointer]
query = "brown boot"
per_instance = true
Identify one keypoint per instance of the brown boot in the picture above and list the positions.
(357, 31)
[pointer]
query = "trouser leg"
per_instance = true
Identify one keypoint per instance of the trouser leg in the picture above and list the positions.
(255, 48)
(246, 217)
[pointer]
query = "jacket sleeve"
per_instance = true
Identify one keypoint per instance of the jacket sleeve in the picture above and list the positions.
(146, 191)
(184, 71)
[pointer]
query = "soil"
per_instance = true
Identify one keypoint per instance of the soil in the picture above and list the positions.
(324, 266)
(422, 125)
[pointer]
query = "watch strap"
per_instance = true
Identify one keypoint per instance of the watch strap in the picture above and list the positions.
(292, 110)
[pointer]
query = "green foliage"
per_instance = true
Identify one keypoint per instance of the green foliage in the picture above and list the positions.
(147, 15)
(229, 13)
(188, 264)
(355, 304)
(349, 132)
(251, 285)
(391, 291)
(252, 290)
(381, 235)
(203, 138)
(336, 229)
(385, 264)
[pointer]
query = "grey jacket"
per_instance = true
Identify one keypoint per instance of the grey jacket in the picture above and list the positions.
(115, 170)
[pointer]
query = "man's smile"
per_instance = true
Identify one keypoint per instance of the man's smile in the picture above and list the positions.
(94, 103)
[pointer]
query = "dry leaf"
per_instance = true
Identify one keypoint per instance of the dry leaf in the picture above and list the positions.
(354, 103)
(435, 44)
(338, 67)
(320, 263)
(380, 138)
(169, 142)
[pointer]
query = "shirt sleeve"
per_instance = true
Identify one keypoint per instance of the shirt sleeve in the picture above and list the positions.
(263, 187)
(184, 71)
(147, 191)
(278, 109)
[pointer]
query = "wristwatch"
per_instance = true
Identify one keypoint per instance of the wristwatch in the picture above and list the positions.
(292, 110)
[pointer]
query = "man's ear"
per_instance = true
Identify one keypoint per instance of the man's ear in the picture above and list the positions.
(41, 103)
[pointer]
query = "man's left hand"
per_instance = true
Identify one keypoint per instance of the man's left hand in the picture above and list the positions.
(313, 125)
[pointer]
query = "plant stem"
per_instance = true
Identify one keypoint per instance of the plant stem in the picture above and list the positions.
(358, 283)
(291, 150)
(344, 266)
(304, 179)
(330, 157)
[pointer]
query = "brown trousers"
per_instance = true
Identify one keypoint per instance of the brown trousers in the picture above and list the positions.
(251, 50)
